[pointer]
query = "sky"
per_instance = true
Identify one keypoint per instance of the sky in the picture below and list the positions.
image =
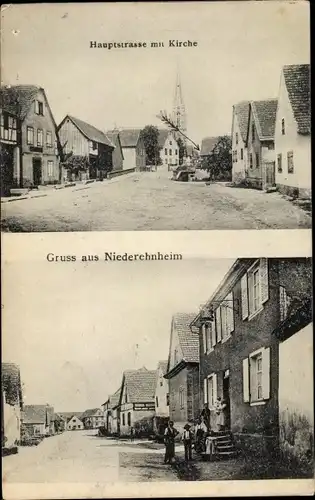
(74, 328)
(241, 49)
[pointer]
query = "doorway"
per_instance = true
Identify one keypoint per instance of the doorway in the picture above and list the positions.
(37, 171)
(226, 397)
(270, 175)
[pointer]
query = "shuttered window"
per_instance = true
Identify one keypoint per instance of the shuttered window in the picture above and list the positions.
(211, 389)
(255, 288)
(256, 376)
(218, 324)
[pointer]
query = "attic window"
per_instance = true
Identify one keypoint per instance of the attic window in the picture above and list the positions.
(282, 126)
(39, 108)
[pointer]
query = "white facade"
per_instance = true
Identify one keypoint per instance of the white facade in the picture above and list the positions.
(293, 150)
(296, 407)
(12, 424)
(129, 158)
(170, 152)
(161, 395)
(74, 424)
(239, 151)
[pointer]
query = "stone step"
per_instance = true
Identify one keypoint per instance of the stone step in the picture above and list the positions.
(226, 447)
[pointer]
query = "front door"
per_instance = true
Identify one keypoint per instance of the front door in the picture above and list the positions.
(226, 397)
(37, 171)
(270, 174)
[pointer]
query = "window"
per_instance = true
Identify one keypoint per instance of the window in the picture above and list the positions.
(250, 160)
(242, 154)
(129, 418)
(235, 153)
(176, 152)
(161, 381)
(282, 126)
(253, 132)
(257, 160)
(94, 145)
(39, 108)
(123, 419)
(50, 168)
(167, 399)
(156, 401)
(224, 320)
(210, 389)
(39, 137)
(181, 398)
(290, 162)
(255, 288)
(49, 139)
(170, 143)
(166, 161)
(5, 121)
(209, 336)
(256, 376)
(279, 163)
(30, 135)
(165, 151)
(285, 302)
(170, 152)
(236, 138)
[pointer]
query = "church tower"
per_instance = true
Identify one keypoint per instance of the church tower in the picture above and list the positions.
(179, 112)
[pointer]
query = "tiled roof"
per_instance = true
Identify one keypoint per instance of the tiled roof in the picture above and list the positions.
(297, 81)
(140, 385)
(163, 135)
(188, 339)
(17, 99)
(89, 413)
(92, 133)
(264, 113)
(207, 145)
(36, 414)
(114, 398)
(69, 414)
(163, 366)
(241, 109)
(114, 137)
(11, 383)
(129, 137)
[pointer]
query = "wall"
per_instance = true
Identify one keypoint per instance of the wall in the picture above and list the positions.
(238, 167)
(177, 413)
(140, 156)
(161, 391)
(118, 162)
(11, 421)
(129, 158)
(296, 403)
(170, 144)
(136, 417)
(27, 160)
(76, 142)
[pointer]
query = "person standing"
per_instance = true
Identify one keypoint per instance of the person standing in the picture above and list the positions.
(169, 441)
(187, 440)
(205, 414)
(200, 434)
(220, 407)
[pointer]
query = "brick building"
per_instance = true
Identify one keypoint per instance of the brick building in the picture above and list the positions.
(183, 370)
(239, 348)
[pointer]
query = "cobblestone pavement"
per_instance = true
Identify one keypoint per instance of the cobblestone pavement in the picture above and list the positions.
(152, 201)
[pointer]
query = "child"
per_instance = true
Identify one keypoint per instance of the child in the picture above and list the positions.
(187, 439)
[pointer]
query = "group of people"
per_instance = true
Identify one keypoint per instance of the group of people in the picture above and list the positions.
(195, 434)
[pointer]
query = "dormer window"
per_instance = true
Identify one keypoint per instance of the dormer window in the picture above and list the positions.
(39, 108)
(282, 126)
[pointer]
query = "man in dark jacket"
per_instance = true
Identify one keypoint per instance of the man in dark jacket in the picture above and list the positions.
(205, 414)
(169, 441)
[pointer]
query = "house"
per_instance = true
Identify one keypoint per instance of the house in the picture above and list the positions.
(110, 413)
(11, 407)
(260, 137)
(136, 404)
(60, 423)
(162, 399)
(38, 420)
(10, 147)
(133, 149)
(86, 150)
(240, 118)
(93, 418)
(118, 155)
(35, 158)
(74, 423)
(207, 146)
(169, 148)
(240, 359)
(293, 131)
(183, 370)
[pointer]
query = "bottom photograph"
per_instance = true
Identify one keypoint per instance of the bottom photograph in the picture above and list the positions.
(183, 370)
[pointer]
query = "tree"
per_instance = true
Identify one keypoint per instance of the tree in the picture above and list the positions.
(150, 136)
(181, 150)
(219, 162)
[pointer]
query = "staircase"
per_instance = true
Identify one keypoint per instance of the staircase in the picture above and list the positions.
(222, 446)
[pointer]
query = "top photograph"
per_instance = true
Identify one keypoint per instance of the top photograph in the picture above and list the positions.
(155, 116)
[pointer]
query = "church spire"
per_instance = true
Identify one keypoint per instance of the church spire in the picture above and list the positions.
(179, 111)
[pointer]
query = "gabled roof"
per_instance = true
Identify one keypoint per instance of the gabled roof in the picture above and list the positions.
(69, 414)
(264, 113)
(188, 338)
(90, 132)
(114, 137)
(89, 413)
(163, 135)
(163, 366)
(297, 81)
(140, 385)
(77, 417)
(129, 137)
(207, 145)
(241, 110)
(37, 414)
(11, 383)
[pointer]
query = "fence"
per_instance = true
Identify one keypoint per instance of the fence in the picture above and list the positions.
(116, 173)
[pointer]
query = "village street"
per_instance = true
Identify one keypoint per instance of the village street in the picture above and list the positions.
(152, 201)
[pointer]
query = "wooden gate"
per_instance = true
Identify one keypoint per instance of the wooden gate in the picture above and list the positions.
(270, 174)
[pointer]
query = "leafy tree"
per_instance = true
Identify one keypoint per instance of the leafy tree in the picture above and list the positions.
(219, 162)
(150, 136)
(181, 150)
